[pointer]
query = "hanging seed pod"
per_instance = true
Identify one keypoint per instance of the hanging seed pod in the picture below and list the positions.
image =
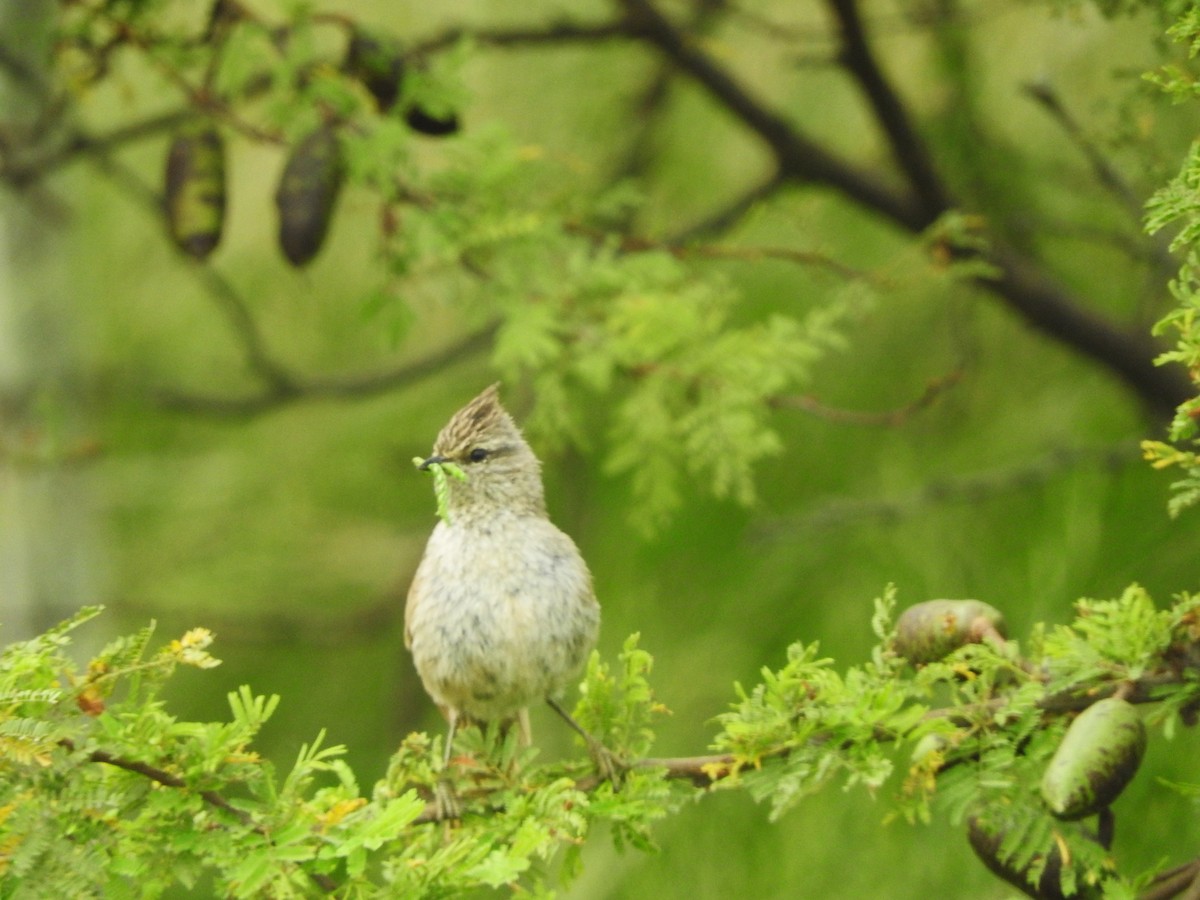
(307, 193)
(378, 64)
(1098, 757)
(986, 839)
(928, 631)
(195, 189)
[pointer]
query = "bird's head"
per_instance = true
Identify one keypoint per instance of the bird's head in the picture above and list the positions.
(500, 468)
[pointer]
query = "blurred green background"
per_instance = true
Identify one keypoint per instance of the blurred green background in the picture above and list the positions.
(293, 533)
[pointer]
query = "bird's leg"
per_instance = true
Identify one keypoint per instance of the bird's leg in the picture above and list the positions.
(524, 731)
(444, 799)
(607, 762)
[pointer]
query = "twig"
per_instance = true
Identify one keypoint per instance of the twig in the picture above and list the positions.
(563, 32)
(100, 145)
(165, 778)
(296, 389)
(887, 419)
(682, 250)
(725, 217)
(1106, 174)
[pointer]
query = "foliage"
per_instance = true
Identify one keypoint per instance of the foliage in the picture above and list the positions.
(106, 792)
(1176, 204)
(579, 312)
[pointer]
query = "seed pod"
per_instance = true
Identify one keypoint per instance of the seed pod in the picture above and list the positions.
(195, 189)
(986, 839)
(1098, 756)
(306, 194)
(928, 631)
(421, 120)
(378, 63)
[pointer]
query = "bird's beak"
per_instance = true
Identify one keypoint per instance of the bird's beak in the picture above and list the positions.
(425, 464)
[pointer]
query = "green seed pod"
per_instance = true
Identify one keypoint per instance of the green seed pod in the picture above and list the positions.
(378, 63)
(929, 631)
(986, 839)
(306, 194)
(1098, 756)
(195, 189)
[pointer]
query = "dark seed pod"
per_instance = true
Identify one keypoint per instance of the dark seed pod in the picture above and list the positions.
(425, 122)
(1098, 757)
(379, 65)
(195, 189)
(307, 193)
(986, 840)
(931, 630)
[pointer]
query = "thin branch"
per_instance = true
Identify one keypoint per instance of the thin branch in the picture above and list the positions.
(350, 386)
(971, 488)
(212, 798)
(1106, 174)
(906, 144)
(100, 145)
(165, 778)
(562, 32)
(885, 419)
(246, 329)
(725, 217)
(682, 250)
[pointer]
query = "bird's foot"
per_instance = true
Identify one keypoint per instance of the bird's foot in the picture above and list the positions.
(610, 766)
(445, 802)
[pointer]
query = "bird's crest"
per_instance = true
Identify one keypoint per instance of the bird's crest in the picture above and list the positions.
(482, 417)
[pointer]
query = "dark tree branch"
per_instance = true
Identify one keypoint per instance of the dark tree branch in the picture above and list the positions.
(799, 157)
(907, 146)
(563, 32)
(1020, 283)
(1047, 306)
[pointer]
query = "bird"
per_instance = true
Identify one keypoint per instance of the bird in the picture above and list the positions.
(501, 612)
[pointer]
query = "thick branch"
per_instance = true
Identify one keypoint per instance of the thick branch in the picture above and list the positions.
(907, 146)
(1047, 306)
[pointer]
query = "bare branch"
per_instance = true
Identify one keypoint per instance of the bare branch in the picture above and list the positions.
(907, 146)
(563, 32)
(1106, 174)
(799, 157)
(350, 386)
(887, 419)
(725, 217)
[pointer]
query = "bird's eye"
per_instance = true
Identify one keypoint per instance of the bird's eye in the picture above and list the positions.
(479, 454)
